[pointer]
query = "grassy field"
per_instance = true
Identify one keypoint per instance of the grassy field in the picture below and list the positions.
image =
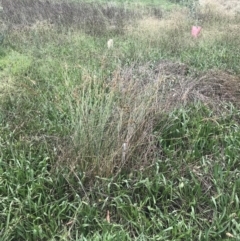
(140, 141)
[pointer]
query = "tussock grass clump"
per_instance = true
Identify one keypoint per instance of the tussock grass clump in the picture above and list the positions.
(105, 116)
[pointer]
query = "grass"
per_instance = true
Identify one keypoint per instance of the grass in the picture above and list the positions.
(137, 142)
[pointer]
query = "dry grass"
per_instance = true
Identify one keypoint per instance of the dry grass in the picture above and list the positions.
(175, 86)
(172, 33)
(225, 7)
(211, 88)
(154, 27)
(94, 18)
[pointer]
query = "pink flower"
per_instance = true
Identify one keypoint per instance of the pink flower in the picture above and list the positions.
(196, 31)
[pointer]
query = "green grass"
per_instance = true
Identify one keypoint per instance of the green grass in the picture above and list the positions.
(68, 105)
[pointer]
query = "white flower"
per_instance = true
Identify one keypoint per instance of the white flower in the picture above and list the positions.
(110, 43)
